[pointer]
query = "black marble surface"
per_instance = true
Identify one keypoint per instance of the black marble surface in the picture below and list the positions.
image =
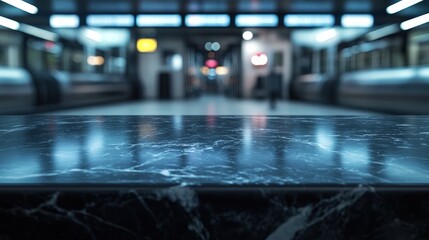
(207, 177)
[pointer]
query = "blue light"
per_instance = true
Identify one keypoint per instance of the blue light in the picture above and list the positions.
(256, 20)
(357, 20)
(309, 20)
(110, 20)
(207, 20)
(159, 20)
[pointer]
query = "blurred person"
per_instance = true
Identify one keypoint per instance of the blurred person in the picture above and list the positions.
(273, 81)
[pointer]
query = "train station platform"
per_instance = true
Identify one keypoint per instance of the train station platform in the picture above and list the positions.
(213, 105)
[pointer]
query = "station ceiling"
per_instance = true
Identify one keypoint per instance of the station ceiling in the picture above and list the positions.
(84, 7)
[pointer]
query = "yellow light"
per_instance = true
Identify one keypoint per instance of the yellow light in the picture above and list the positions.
(95, 60)
(221, 70)
(146, 45)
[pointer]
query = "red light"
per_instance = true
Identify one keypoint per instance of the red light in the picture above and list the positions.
(211, 63)
(49, 45)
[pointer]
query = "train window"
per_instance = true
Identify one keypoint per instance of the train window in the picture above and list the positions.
(43, 55)
(323, 61)
(306, 61)
(397, 57)
(424, 53)
(3, 56)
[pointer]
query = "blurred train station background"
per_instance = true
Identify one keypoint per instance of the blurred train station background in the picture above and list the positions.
(208, 57)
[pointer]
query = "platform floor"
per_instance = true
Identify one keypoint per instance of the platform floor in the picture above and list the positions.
(212, 105)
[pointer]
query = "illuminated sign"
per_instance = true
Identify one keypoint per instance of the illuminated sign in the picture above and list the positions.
(95, 60)
(147, 45)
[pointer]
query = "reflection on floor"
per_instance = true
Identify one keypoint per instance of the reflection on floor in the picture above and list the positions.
(211, 105)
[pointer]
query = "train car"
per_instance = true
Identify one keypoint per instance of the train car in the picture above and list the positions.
(389, 74)
(17, 91)
(38, 75)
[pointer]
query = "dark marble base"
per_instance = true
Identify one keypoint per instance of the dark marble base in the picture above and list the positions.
(215, 213)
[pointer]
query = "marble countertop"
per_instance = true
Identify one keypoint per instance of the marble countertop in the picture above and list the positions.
(214, 150)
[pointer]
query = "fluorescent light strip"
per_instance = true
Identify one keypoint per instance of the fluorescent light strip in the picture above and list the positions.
(412, 23)
(64, 21)
(159, 20)
(401, 5)
(8, 23)
(207, 20)
(110, 20)
(309, 20)
(326, 35)
(256, 20)
(357, 20)
(38, 32)
(383, 32)
(24, 6)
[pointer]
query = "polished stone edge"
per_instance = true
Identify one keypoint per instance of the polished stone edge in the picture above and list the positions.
(246, 188)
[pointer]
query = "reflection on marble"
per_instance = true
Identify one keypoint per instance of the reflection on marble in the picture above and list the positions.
(209, 150)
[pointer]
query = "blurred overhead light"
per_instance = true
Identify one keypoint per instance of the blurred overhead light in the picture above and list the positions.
(38, 32)
(8, 23)
(207, 20)
(382, 32)
(147, 45)
(93, 35)
(415, 22)
(357, 20)
(208, 46)
(64, 21)
(222, 70)
(247, 35)
(24, 6)
(309, 20)
(256, 20)
(110, 20)
(205, 70)
(401, 5)
(326, 35)
(159, 20)
(215, 46)
(211, 63)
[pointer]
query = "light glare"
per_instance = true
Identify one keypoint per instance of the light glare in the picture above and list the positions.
(401, 5)
(412, 23)
(326, 35)
(24, 6)
(8, 23)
